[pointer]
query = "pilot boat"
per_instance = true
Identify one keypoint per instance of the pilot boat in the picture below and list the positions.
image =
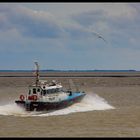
(48, 96)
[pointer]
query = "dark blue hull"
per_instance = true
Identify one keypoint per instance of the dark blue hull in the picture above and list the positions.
(48, 106)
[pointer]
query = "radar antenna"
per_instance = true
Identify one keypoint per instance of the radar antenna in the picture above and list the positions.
(37, 73)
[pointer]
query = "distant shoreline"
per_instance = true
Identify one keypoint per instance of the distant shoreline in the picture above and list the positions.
(70, 71)
(78, 74)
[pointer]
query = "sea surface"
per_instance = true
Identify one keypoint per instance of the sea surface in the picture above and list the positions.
(110, 109)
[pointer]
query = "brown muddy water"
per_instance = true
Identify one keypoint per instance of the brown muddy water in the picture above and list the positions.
(111, 108)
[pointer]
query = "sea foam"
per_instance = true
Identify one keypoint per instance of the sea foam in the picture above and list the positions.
(90, 102)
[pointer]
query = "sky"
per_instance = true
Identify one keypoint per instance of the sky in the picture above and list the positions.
(70, 36)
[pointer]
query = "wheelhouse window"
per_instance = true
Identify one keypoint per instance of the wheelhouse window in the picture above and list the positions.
(44, 92)
(38, 90)
(34, 90)
(48, 91)
(54, 90)
(29, 92)
(59, 89)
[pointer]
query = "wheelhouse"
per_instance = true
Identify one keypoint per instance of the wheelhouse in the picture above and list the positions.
(34, 90)
(38, 90)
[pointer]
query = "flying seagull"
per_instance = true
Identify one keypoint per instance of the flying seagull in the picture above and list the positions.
(99, 36)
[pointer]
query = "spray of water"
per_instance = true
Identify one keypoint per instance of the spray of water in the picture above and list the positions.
(89, 103)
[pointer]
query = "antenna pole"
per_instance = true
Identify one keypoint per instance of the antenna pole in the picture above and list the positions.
(37, 73)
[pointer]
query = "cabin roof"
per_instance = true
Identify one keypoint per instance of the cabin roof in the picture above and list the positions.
(46, 86)
(52, 87)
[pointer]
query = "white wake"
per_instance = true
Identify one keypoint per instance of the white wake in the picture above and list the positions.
(89, 103)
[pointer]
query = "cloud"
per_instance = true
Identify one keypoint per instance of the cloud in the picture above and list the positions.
(118, 22)
(27, 35)
(108, 15)
(38, 24)
(113, 21)
(107, 11)
(29, 22)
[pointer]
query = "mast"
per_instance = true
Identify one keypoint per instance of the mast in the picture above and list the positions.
(37, 73)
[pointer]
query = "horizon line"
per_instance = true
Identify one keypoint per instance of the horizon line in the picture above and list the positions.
(70, 70)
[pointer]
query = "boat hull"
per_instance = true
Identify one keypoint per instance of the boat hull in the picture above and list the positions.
(49, 106)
